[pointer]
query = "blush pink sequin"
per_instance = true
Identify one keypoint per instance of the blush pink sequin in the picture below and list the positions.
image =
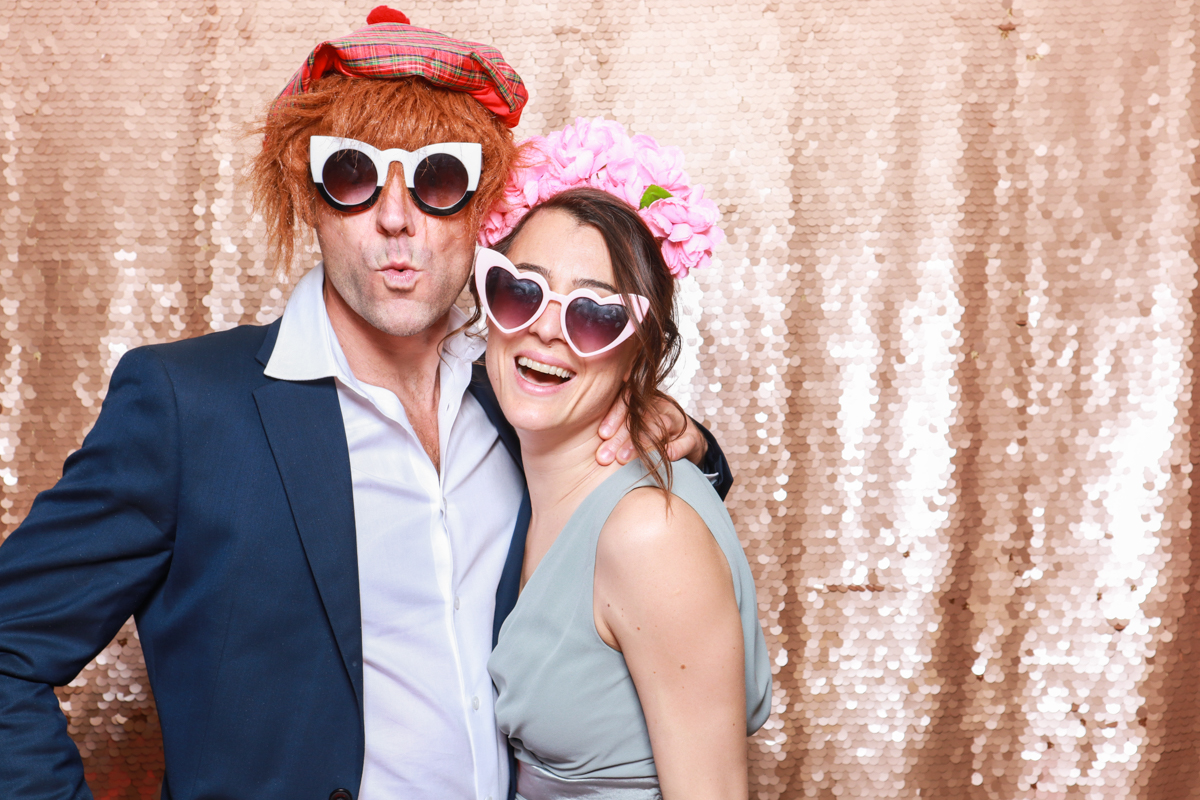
(949, 343)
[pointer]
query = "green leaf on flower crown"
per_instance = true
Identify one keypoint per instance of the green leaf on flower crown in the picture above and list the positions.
(653, 192)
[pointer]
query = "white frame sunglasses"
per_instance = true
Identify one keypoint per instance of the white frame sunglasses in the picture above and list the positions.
(469, 154)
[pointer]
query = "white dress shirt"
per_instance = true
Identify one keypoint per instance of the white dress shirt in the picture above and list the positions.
(431, 548)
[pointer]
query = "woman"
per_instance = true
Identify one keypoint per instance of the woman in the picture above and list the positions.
(633, 665)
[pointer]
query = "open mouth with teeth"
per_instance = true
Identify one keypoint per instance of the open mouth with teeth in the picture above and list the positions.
(542, 374)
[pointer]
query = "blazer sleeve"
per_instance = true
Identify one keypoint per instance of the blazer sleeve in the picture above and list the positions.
(89, 554)
(714, 465)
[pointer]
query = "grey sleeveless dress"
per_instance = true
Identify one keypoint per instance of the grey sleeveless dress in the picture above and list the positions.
(565, 699)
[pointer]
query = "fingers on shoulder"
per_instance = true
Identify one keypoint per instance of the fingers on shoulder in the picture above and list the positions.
(670, 417)
(614, 420)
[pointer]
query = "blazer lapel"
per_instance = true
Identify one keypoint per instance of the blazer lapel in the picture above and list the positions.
(303, 424)
(481, 388)
(510, 579)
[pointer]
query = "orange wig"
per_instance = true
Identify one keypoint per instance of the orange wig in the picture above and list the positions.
(408, 113)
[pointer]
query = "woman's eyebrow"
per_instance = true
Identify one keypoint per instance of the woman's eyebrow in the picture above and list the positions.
(588, 283)
(525, 266)
(580, 283)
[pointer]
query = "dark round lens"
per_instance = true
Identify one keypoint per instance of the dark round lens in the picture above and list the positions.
(592, 326)
(349, 177)
(513, 301)
(440, 180)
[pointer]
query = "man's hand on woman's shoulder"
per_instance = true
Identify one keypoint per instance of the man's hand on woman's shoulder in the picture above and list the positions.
(686, 440)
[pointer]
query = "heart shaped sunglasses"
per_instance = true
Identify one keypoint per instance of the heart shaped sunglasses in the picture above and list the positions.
(350, 174)
(514, 300)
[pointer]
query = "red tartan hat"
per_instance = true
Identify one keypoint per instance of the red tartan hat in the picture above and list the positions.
(389, 47)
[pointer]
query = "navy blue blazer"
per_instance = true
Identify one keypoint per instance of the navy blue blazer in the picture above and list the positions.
(213, 504)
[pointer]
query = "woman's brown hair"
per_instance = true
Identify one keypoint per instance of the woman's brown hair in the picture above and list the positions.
(638, 268)
(408, 113)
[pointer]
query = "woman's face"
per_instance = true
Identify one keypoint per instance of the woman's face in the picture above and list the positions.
(539, 380)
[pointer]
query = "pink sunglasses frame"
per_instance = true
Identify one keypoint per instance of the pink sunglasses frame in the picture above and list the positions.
(486, 259)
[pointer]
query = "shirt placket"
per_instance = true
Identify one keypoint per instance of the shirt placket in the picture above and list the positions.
(442, 545)
(441, 542)
(453, 383)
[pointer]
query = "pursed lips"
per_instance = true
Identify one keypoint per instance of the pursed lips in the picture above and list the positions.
(395, 266)
(398, 276)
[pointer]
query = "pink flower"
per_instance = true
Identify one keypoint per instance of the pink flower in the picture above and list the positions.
(623, 178)
(520, 193)
(572, 168)
(523, 184)
(599, 153)
(493, 229)
(576, 152)
(662, 166)
(596, 136)
(687, 224)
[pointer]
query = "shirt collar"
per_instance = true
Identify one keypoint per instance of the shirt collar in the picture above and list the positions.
(307, 348)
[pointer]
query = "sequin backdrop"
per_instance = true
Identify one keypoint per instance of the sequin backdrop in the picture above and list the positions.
(948, 345)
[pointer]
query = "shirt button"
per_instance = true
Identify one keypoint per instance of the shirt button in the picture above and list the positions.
(457, 602)
(475, 702)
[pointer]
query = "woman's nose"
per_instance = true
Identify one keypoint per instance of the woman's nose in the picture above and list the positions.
(548, 326)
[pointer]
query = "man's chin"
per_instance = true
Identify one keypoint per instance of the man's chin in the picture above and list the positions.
(398, 314)
(415, 319)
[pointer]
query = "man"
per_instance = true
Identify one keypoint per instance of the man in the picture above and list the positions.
(318, 524)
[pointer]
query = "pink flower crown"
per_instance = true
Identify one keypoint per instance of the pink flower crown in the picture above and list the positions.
(600, 154)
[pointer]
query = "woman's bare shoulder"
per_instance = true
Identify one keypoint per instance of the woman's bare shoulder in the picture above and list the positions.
(654, 543)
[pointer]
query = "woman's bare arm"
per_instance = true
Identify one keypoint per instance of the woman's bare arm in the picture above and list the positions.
(664, 597)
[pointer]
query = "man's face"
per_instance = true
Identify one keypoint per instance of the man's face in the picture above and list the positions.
(395, 266)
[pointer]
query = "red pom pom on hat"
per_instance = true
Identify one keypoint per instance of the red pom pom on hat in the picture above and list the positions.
(385, 14)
